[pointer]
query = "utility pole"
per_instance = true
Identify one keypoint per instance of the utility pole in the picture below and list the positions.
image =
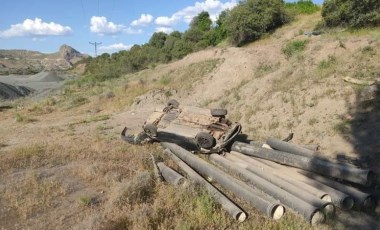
(96, 45)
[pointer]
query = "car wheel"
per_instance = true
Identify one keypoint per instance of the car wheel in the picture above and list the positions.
(150, 130)
(205, 140)
(218, 112)
(174, 103)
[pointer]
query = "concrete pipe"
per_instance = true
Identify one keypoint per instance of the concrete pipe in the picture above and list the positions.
(280, 173)
(251, 162)
(344, 172)
(339, 199)
(229, 206)
(310, 212)
(272, 209)
(289, 147)
(170, 175)
(362, 201)
(326, 206)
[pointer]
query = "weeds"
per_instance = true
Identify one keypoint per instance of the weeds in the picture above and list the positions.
(329, 63)
(265, 68)
(85, 200)
(77, 101)
(21, 118)
(294, 47)
(273, 125)
(302, 7)
(165, 80)
(368, 50)
(343, 127)
(313, 121)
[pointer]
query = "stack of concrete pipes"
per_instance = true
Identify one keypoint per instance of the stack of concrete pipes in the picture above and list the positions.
(262, 177)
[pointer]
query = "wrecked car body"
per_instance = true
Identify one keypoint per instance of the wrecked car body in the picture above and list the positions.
(195, 128)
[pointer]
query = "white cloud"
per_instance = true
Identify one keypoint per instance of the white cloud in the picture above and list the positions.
(214, 7)
(130, 30)
(115, 47)
(39, 39)
(36, 27)
(166, 30)
(167, 21)
(144, 20)
(102, 26)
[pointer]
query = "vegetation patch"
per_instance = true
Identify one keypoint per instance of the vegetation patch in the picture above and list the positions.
(19, 118)
(77, 100)
(265, 68)
(92, 119)
(351, 13)
(302, 7)
(33, 194)
(294, 47)
(251, 19)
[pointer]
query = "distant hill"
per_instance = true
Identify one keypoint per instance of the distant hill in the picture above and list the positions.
(31, 62)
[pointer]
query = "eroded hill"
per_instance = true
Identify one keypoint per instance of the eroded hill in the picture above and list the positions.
(30, 62)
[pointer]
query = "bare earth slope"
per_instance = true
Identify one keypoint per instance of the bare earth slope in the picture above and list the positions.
(63, 165)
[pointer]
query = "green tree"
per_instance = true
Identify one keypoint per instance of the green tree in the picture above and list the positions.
(202, 22)
(250, 19)
(158, 39)
(219, 33)
(351, 13)
(181, 48)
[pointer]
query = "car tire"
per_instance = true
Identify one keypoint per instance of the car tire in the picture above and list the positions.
(218, 112)
(174, 103)
(205, 140)
(150, 130)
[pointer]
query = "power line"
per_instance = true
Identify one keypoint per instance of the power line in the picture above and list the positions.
(98, 8)
(96, 47)
(83, 11)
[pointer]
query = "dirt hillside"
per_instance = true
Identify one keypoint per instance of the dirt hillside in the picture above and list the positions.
(63, 165)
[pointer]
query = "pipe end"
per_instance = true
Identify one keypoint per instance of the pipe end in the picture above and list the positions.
(326, 197)
(347, 203)
(277, 212)
(240, 217)
(369, 205)
(317, 218)
(329, 210)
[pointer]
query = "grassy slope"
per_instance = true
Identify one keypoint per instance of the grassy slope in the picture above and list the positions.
(63, 164)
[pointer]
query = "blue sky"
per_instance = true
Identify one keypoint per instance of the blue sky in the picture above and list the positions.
(44, 25)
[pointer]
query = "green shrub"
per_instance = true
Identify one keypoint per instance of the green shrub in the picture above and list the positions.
(351, 13)
(302, 7)
(250, 19)
(294, 47)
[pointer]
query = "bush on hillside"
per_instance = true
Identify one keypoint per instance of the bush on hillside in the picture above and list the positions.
(351, 13)
(302, 7)
(250, 19)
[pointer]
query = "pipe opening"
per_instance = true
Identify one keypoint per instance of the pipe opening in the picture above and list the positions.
(329, 210)
(317, 218)
(369, 204)
(277, 212)
(241, 217)
(347, 203)
(326, 197)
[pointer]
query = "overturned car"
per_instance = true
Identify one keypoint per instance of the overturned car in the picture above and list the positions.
(194, 128)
